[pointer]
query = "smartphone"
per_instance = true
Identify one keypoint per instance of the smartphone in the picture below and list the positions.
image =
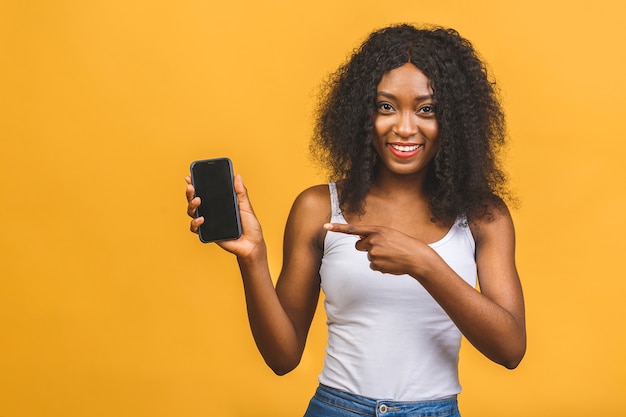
(214, 184)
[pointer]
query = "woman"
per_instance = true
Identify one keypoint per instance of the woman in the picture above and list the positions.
(411, 128)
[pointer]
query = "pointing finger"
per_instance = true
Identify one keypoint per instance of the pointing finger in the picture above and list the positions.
(349, 229)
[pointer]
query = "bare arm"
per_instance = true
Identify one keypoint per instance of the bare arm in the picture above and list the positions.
(493, 319)
(505, 341)
(279, 317)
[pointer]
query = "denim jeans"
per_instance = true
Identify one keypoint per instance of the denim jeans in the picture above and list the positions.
(330, 402)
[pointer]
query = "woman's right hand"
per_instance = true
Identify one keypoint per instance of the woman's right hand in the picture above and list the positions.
(251, 240)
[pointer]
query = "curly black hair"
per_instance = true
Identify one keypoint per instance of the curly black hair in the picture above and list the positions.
(465, 178)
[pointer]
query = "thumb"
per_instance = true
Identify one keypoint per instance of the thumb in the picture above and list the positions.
(239, 187)
(242, 194)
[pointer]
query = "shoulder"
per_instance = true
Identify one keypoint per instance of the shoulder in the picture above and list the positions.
(315, 198)
(310, 210)
(497, 221)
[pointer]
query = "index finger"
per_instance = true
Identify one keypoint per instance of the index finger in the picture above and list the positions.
(349, 229)
(190, 191)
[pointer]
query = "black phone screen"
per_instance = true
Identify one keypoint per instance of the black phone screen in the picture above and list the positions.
(213, 182)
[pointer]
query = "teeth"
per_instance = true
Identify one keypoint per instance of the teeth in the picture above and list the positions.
(410, 148)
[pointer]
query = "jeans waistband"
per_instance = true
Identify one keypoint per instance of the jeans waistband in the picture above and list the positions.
(441, 407)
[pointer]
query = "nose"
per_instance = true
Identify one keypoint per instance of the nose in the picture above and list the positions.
(406, 124)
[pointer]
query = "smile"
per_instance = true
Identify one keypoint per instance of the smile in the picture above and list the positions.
(405, 151)
(407, 148)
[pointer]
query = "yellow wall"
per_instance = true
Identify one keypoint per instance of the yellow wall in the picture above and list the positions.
(110, 307)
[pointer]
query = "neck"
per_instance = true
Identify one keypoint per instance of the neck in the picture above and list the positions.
(388, 184)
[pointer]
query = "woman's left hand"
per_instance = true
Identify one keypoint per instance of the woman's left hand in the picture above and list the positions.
(388, 250)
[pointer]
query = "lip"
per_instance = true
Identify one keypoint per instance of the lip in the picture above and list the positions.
(404, 154)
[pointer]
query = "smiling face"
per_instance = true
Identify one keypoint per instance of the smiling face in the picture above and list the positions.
(405, 123)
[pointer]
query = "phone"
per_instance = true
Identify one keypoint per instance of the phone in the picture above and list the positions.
(214, 184)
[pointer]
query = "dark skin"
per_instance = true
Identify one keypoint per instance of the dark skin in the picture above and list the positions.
(279, 317)
(394, 230)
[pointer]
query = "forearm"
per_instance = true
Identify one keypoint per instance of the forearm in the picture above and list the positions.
(494, 329)
(272, 329)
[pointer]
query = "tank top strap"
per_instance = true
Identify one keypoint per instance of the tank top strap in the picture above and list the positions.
(337, 216)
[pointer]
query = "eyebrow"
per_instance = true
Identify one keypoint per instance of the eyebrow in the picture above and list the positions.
(418, 98)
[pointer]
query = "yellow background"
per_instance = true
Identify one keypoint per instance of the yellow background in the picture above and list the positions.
(110, 307)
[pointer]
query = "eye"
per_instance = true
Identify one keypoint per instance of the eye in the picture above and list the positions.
(427, 109)
(385, 107)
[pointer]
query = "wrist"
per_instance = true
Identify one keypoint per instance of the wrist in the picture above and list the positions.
(428, 259)
(256, 254)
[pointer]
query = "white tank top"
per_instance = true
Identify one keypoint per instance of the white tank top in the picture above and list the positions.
(387, 337)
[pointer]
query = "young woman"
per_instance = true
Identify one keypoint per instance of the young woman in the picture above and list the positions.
(410, 127)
